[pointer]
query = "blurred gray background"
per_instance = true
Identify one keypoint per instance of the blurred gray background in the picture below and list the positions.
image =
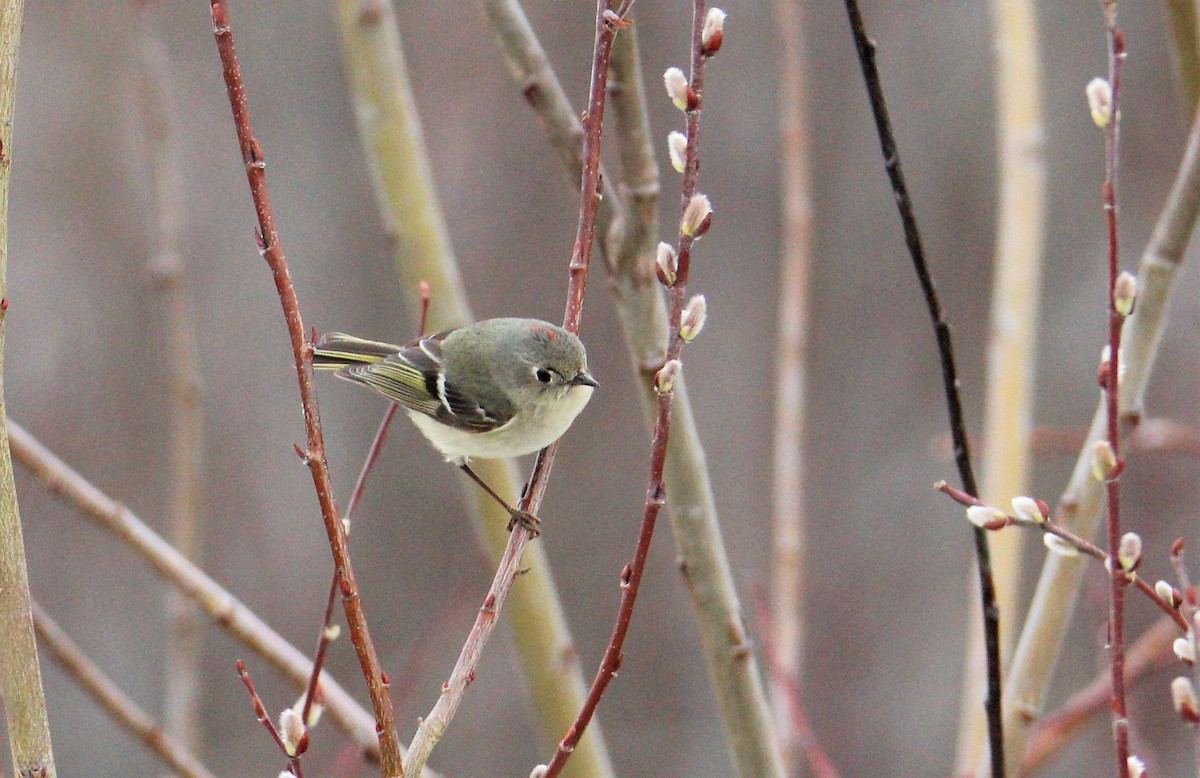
(86, 365)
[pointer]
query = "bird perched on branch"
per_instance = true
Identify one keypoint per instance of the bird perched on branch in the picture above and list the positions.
(497, 388)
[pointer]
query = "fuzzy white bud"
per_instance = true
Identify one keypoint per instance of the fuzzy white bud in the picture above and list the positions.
(1028, 509)
(292, 732)
(1129, 551)
(666, 264)
(1135, 766)
(677, 149)
(1104, 460)
(664, 379)
(1099, 97)
(1167, 593)
(677, 88)
(539, 771)
(1183, 697)
(332, 632)
(1057, 545)
(713, 32)
(1185, 649)
(694, 316)
(696, 216)
(982, 515)
(1124, 293)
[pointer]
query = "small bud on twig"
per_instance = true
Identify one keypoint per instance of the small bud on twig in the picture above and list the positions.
(1124, 293)
(1129, 551)
(983, 517)
(677, 149)
(1099, 97)
(664, 379)
(292, 732)
(666, 264)
(1169, 594)
(1104, 461)
(697, 216)
(1057, 545)
(539, 771)
(693, 318)
(1183, 697)
(678, 88)
(1135, 766)
(1028, 509)
(1185, 649)
(713, 32)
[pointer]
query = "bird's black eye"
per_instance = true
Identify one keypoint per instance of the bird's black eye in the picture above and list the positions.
(543, 375)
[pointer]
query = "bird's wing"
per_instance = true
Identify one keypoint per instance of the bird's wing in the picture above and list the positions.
(413, 378)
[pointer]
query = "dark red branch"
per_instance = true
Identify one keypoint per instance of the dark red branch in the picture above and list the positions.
(314, 454)
(1116, 321)
(631, 575)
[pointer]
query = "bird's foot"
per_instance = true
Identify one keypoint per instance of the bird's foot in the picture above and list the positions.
(526, 521)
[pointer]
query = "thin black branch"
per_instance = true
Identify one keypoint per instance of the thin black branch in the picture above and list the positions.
(958, 430)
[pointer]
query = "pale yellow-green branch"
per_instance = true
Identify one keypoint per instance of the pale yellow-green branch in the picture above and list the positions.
(20, 675)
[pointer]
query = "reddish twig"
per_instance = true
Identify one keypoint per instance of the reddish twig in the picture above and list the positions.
(1151, 652)
(788, 686)
(1078, 542)
(1116, 322)
(314, 454)
(789, 519)
(430, 730)
(327, 634)
(1190, 604)
(631, 574)
(260, 712)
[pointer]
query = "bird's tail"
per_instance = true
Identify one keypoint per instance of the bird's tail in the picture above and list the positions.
(335, 350)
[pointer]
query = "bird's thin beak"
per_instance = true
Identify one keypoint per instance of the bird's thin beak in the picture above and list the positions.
(584, 379)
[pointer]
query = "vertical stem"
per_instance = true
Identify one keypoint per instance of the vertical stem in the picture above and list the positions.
(1012, 340)
(958, 431)
(314, 456)
(1116, 321)
(788, 542)
(155, 96)
(20, 674)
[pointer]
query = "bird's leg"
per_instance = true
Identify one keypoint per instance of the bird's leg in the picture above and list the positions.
(524, 519)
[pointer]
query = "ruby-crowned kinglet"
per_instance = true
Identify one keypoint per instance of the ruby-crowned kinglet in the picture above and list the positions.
(496, 388)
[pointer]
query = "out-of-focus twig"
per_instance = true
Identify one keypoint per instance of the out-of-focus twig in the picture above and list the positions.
(735, 676)
(1012, 340)
(789, 543)
(1181, 14)
(398, 160)
(103, 690)
(314, 456)
(156, 101)
(20, 675)
(216, 602)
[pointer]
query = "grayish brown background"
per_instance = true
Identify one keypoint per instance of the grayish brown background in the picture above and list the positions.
(86, 364)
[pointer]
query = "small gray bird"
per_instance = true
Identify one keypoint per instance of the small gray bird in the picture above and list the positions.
(497, 388)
